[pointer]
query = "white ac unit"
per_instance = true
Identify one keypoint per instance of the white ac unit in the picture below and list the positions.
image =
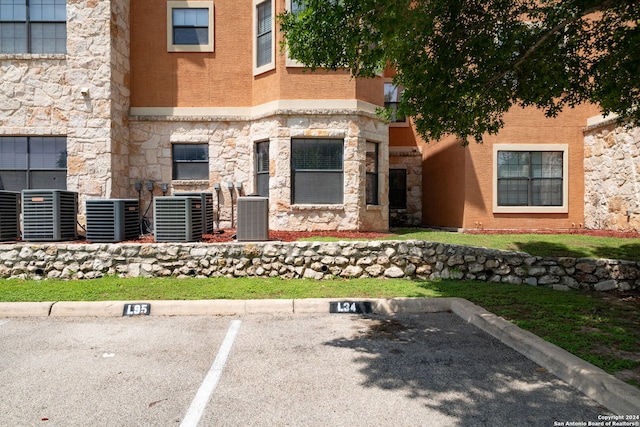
(112, 220)
(9, 215)
(207, 210)
(49, 215)
(253, 218)
(177, 219)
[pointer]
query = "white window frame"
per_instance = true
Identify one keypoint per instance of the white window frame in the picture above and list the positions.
(272, 64)
(189, 4)
(395, 124)
(564, 148)
(290, 62)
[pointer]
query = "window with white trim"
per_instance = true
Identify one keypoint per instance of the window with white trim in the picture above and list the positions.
(190, 26)
(392, 94)
(317, 171)
(190, 161)
(530, 178)
(263, 40)
(33, 162)
(33, 26)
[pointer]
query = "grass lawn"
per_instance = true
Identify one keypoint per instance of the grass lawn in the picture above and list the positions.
(600, 328)
(551, 245)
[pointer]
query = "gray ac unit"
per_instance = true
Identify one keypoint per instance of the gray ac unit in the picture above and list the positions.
(253, 218)
(177, 218)
(207, 209)
(9, 215)
(49, 215)
(112, 220)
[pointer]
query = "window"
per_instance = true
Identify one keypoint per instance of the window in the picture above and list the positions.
(530, 180)
(264, 45)
(191, 161)
(262, 168)
(397, 189)
(317, 171)
(33, 26)
(392, 95)
(189, 26)
(372, 173)
(295, 7)
(33, 162)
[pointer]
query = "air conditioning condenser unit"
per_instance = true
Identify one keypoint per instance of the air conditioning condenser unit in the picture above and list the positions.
(177, 218)
(253, 218)
(112, 220)
(9, 215)
(207, 209)
(49, 215)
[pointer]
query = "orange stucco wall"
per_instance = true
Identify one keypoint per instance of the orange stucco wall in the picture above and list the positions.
(458, 181)
(224, 78)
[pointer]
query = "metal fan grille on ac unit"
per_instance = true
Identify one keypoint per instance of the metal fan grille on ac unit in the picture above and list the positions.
(112, 220)
(9, 215)
(177, 219)
(207, 209)
(49, 215)
(253, 218)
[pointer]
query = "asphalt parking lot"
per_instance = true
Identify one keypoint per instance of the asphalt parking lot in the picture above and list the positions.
(407, 369)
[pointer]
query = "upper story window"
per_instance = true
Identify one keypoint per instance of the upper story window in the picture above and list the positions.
(33, 162)
(190, 26)
(392, 95)
(530, 178)
(264, 41)
(191, 161)
(33, 26)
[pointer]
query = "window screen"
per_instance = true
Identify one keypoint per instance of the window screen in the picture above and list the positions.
(190, 26)
(262, 168)
(372, 173)
(190, 161)
(264, 33)
(317, 171)
(33, 162)
(530, 178)
(33, 26)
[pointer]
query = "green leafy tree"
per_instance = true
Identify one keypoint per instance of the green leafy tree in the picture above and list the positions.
(464, 63)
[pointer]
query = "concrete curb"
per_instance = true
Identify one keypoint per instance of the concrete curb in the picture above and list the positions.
(616, 395)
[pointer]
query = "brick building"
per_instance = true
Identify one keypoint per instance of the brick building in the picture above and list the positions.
(121, 99)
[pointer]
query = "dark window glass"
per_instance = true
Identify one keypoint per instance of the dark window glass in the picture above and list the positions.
(392, 100)
(397, 189)
(33, 162)
(530, 178)
(190, 26)
(372, 173)
(317, 171)
(190, 161)
(262, 168)
(264, 33)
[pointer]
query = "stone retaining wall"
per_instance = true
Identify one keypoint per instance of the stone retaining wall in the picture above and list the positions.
(314, 260)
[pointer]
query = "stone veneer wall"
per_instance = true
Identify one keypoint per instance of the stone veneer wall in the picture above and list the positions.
(41, 94)
(232, 142)
(410, 159)
(612, 177)
(314, 260)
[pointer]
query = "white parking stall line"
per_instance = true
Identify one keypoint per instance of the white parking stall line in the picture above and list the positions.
(200, 401)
